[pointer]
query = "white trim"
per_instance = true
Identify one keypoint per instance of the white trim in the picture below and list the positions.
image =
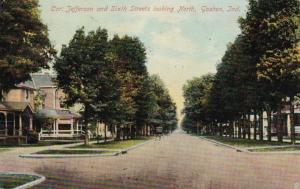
(29, 184)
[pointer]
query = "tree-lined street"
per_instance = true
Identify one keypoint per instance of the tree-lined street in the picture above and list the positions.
(177, 161)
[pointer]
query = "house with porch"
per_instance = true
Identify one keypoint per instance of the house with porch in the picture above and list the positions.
(35, 105)
(55, 121)
(16, 113)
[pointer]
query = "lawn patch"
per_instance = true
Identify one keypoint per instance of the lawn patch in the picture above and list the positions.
(122, 144)
(3, 149)
(72, 152)
(40, 144)
(15, 180)
(245, 143)
(279, 149)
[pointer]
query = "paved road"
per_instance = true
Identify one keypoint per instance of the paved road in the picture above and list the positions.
(177, 161)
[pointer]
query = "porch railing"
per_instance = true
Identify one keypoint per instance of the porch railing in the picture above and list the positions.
(3, 132)
(60, 133)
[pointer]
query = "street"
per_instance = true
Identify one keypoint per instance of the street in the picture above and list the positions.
(176, 161)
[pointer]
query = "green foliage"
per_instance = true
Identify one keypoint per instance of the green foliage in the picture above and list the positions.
(196, 94)
(163, 110)
(24, 44)
(39, 99)
(110, 80)
(81, 69)
(259, 70)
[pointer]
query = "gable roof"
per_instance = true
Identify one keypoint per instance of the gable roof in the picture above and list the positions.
(15, 106)
(56, 114)
(27, 84)
(42, 80)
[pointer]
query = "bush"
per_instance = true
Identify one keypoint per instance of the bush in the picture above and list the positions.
(32, 137)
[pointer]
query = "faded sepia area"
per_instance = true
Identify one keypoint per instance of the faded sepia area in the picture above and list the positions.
(147, 94)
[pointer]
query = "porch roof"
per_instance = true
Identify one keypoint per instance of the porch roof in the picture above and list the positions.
(56, 114)
(15, 106)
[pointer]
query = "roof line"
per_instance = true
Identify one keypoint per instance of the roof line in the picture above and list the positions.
(33, 81)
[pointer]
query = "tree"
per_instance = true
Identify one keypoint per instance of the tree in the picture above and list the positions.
(130, 58)
(196, 94)
(79, 69)
(24, 44)
(108, 93)
(163, 109)
(271, 28)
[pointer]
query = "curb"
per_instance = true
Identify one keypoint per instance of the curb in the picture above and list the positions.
(42, 156)
(117, 152)
(225, 145)
(38, 156)
(276, 153)
(29, 184)
(247, 150)
(276, 147)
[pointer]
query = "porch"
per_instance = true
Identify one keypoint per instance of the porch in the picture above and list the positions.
(60, 124)
(16, 120)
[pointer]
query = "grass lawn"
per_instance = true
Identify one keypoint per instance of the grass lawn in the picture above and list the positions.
(245, 143)
(41, 143)
(70, 152)
(283, 149)
(3, 149)
(122, 144)
(15, 180)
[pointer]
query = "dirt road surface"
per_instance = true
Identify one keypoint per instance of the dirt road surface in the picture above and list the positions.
(177, 161)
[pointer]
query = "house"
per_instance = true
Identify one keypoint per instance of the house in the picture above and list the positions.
(286, 124)
(36, 105)
(16, 113)
(286, 120)
(61, 122)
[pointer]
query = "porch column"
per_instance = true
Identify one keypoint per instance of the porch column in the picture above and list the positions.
(30, 122)
(288, 125)
(14, 127)
(77, 122)
(20, 125)
(72, 127)
(5, 123)
(56, 125)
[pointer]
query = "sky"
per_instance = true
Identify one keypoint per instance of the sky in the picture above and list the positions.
(184, 38)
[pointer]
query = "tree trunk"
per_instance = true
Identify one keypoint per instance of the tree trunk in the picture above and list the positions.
(292, 121)
(123, 133)
(244, 126)
(86, 124)
(130, 131)
(255, 125)
(269, 125)
(118, 134)
(279, 125)
(261, 126)
(239, 129)
(105, 137)
(248, 126)
(231, 127)
(220, 129)
(147, 130)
